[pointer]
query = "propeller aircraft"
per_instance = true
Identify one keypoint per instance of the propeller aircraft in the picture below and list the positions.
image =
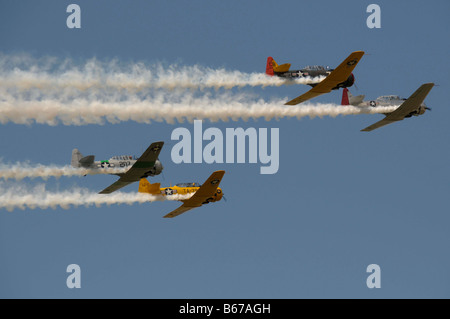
(413, 106)
(146, 165)
(341, 77)
(208, 192)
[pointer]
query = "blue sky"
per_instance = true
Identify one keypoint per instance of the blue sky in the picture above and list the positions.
(341, 200)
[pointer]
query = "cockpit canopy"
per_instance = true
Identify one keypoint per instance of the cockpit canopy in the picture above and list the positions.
(389, 97)
(124, 158)
(188, 185)
(317, 67)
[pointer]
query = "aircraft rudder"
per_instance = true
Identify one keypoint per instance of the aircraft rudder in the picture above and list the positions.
(349, 99)
(344, 100)
(146, 187)
(269, 66)
(143, 185)
(76, 157)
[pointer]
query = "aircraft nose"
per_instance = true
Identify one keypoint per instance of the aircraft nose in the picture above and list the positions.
(219, 194)
(425, 107)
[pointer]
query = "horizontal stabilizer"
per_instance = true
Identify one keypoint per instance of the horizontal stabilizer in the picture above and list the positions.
(350, 99)
(87, 160)
(282, 68)
(146, 187)
(356, 100)
(78, 160)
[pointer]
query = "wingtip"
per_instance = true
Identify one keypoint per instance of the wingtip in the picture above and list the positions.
(292, 103)
(218, 174)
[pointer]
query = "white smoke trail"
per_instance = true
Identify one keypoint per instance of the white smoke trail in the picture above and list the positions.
(19, 171)
(52, 74)
(19, 197)
(115, 109)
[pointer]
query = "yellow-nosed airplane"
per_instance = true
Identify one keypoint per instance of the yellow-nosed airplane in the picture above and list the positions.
(202, 194)
(340, 77)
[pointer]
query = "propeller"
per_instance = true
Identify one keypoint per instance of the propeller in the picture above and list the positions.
(224, 198)
(354, 83)
(427, 108)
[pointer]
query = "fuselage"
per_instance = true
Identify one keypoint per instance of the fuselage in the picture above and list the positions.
(117, 164)
(311, 71)
(125, 162)
(315, 72)
(391, 100)
(190, 188)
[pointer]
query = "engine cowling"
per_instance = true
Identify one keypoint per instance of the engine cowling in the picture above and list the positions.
(347, 83)
(216, 197)
(422, 109)
(156, 169)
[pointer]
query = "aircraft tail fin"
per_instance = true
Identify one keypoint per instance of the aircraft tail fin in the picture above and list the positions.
(78, 160)
(146, 187)
(269, 66)
(349, 99)
(344, 100)
(272, 67)
(76, 156)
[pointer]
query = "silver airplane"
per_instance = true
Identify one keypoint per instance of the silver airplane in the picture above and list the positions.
(146, 165)
(413, 106)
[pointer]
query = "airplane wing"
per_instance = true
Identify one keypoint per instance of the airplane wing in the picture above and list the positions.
(206, 191)
(410, 105)
(138, 170)
(338, 75)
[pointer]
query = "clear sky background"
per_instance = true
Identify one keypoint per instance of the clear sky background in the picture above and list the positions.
(341, 200)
